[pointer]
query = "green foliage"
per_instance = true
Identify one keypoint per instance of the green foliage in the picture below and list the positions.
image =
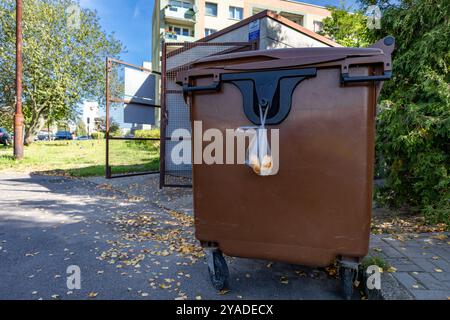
(7, 119)
(62, 65)
(413, 148)
(98, 135)
(114, 128)
(81, 129)
(374, 260)
(414, 121)
(347, 29)
(154, 133)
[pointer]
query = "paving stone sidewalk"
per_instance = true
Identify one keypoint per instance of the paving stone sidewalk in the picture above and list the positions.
(422, 262)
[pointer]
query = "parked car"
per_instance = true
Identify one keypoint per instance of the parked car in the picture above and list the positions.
(63, 135)
(5, 137)
(45, 136)
(84, 138)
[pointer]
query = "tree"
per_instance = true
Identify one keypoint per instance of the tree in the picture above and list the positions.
(100, 124)
(413, 140)
(62, 65)
(81, 129)
(414, 120)
(6, 118)
(347, 29)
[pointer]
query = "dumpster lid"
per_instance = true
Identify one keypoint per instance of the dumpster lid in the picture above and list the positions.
(290, 57)
(294, 53)
(268, 78)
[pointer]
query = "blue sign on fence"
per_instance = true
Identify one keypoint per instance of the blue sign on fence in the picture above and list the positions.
(254, 30)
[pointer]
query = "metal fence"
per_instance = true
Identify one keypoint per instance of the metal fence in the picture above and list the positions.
(123, 139)
(175, 113)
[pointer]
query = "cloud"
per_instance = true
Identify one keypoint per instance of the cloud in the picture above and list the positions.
(137, 12)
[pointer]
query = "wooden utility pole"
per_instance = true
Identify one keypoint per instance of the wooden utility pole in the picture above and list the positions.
(18, 116)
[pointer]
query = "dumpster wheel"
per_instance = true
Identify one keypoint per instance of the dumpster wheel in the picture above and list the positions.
(348, 277)
(218, 269)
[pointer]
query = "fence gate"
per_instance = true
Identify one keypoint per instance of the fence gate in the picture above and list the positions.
(175, 113)
(130, 106)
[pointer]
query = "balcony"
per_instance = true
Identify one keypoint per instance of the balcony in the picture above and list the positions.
(179, 15)
(172, 37)
(297, 18)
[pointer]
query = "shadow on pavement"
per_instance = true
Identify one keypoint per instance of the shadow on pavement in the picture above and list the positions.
(126, 244)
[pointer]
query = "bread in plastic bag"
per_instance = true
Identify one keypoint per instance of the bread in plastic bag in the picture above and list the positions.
(259, 155)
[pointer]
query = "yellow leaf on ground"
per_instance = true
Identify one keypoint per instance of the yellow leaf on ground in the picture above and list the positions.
(163, 286)
(391, 270)
(223, 292)
(284, 280)
(93, 294)
(440, 237)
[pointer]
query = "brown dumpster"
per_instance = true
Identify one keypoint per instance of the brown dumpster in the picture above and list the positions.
(317, 208)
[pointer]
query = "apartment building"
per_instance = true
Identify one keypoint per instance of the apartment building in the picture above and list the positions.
(191, 20)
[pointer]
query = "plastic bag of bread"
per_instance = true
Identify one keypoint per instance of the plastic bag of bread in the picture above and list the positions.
(259, 156)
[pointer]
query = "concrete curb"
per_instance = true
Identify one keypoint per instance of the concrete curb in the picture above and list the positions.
(391, 289)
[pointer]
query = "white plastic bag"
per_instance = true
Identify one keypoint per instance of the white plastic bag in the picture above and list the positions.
(259, 155)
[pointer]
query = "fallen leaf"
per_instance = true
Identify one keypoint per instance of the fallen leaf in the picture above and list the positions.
(284, 280)
(301, 273)
(223, 292)
(198, 298)
(440, 237)
(93, 294)
(331, 271)
(438, 270)
(392, 270)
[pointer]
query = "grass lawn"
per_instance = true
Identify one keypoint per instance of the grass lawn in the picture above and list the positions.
(81, 158)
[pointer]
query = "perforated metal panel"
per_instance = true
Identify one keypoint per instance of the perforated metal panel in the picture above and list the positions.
(175, 113)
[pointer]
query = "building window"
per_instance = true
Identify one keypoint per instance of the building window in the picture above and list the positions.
(209, 32)
(318, 26)
(211, 9)
(257, 10)
(297, 18)
(236, 13)
(174, 4)
(180, 31)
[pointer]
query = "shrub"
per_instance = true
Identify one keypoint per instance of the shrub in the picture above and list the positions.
(413, 143)
(98, 135)
(154, 133)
